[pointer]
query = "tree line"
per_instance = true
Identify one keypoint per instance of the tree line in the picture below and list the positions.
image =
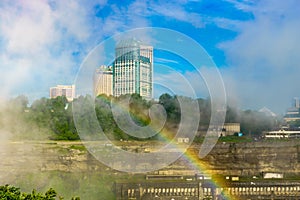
(54, 116)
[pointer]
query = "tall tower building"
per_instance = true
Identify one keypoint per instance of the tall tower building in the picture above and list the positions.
(103, 81)
(296, 102)
(133, 69)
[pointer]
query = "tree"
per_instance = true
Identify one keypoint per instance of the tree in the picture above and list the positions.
(205, 111)
(255, 122)
(8, 192)
(19, 103)
(172, 107)
(232, 115)
(56, 116)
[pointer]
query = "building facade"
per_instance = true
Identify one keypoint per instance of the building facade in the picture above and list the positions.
(133, 69)
(231, 128)
(283, 133)
(63, 90)
(103, 81)
(293, 113)
(223, 130)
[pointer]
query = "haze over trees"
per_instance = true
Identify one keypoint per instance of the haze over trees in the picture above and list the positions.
(53, 118)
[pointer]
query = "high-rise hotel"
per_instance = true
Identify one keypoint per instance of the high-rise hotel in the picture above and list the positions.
(133, 68)
(132, 71)
(103, 81)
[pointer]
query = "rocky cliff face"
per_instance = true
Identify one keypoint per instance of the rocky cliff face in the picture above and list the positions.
(23, 157)
(254, 158)
(226, 159)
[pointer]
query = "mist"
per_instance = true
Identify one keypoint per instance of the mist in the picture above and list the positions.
(264, 58)
(14, 133)
(30, 160)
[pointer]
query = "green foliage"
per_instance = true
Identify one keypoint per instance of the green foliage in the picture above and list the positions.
(232, 115)
(172, 107)
(205, 111)
(138, 110)
(78, 147)
(19, 103)
(235, 139)
(105, 116)
(8, 192)
(55, 116)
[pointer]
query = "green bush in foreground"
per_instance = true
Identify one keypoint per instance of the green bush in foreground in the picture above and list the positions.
(8, 192)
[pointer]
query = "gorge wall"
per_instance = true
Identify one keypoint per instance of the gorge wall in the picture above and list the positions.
(226, 158)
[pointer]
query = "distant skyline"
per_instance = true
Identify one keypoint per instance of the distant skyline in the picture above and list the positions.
(253, 43)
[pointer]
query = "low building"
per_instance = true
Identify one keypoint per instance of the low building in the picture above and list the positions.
(283, 133)
(231, 129)
(271, 175)
(63, 90)
(224, 130)
(183, 140)
(167, 190)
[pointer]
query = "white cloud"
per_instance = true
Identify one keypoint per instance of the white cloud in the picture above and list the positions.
(11, 77)
(245, 5)
(264, 57)
(125, 17)
(38, 40)
(27, 29)
(177, 11)
(71, 18)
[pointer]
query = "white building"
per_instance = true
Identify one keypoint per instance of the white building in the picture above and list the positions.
(272, 175)
(103, 81)
(133, 69)
(282, 133)
(231, 128)
(63, 90)
(183, 140)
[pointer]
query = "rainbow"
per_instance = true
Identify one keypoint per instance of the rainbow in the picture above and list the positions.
(192, 158)
(190, 155)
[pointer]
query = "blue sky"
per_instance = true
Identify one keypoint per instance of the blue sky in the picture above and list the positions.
(253, 43)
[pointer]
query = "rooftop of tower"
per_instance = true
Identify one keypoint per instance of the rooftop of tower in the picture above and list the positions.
(129, 42)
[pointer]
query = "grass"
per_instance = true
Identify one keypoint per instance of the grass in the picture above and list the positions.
(234, 139)
(78, 147)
